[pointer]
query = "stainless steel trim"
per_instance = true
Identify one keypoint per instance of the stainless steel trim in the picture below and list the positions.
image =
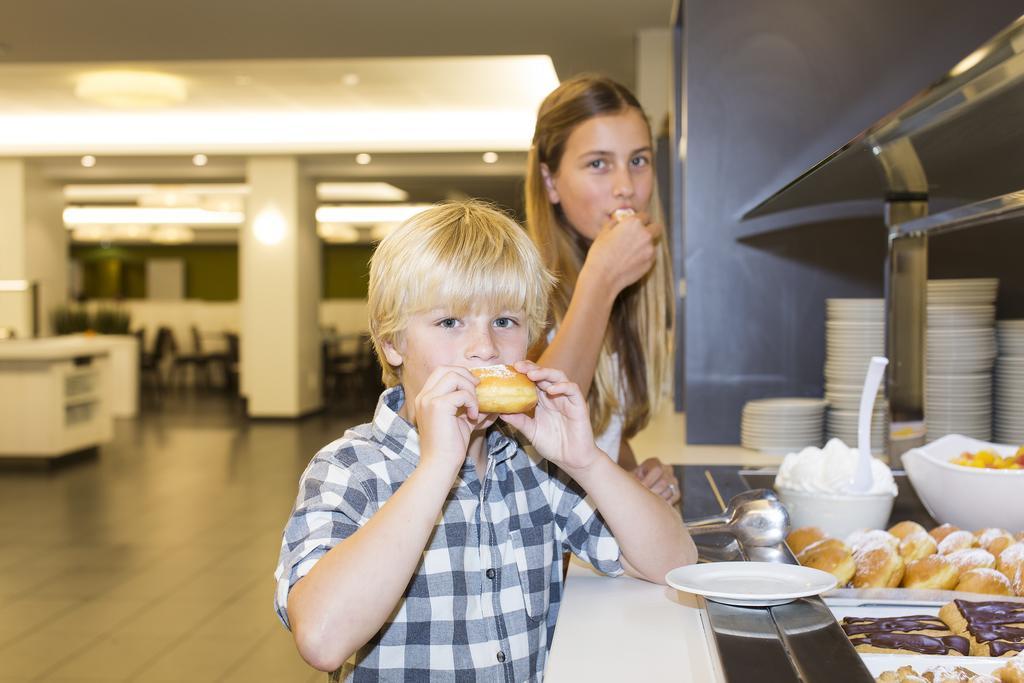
(1004, 207)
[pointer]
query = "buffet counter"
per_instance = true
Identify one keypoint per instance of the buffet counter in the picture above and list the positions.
(624, 629)
(54, 397)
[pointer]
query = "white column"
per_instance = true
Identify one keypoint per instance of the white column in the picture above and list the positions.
(654, 73)
(33, 246)
(279, 291)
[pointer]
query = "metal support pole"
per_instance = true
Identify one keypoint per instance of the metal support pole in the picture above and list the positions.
(906, 299)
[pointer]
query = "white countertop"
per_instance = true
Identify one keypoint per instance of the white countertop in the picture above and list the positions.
(624, 629)
(52, 348)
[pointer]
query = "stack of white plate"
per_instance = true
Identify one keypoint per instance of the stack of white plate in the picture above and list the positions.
(782, 425)
(1008, 423)
(960, 349)
(854, 332)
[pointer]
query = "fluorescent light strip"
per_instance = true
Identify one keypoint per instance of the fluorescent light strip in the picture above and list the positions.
(279, 132)
(367, 214)
(14, 285)
(360, 192)
(120, 215)
(132, 191)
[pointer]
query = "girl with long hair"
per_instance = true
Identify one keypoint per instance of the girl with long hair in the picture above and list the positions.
(589, 185)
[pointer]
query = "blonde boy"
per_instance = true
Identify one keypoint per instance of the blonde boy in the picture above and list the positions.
(427, 544)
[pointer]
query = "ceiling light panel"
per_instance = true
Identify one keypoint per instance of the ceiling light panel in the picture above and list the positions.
(400, 105)
(120, 215)
(360, 192)
(363, 214)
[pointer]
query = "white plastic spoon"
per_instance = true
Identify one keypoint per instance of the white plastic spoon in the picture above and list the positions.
(862, 478)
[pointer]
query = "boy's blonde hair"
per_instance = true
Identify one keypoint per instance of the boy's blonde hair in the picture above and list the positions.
(462, 256)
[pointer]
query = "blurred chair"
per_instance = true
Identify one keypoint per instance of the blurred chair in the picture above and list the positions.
(198, 361)
(152, 364)
(348, 371)
(231, 362)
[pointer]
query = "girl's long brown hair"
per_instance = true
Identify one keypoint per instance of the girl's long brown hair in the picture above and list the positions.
(640, 328)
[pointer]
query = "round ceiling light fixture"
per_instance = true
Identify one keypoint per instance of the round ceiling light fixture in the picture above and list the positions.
(88, 161)
(200, 160)
(125, 89)
(490, 157)
(363, 159)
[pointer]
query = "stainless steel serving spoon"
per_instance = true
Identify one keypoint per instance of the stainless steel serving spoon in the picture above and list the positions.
(754, 518)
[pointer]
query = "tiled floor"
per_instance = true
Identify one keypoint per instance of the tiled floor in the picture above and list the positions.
(154, 562)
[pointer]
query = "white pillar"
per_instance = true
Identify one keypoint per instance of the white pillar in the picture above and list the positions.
(654, 73)
(279, 292)
(33, 246)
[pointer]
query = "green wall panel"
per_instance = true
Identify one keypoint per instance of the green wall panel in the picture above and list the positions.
(346, 270)
(211, 271)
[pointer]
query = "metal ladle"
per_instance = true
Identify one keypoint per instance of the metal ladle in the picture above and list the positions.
(754, 518)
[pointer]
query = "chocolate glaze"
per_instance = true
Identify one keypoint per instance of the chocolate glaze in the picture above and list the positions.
(1000, 624)
(914, 622)
(915, 642)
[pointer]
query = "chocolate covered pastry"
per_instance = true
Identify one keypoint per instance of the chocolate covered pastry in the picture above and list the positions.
(920, 634)
(995, 629)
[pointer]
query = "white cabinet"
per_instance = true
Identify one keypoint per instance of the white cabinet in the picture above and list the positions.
(54, 397)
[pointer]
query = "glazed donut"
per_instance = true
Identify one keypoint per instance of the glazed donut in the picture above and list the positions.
(878, 565)
(916, 545)
(934, 571)
(830, 555)
(984, 581)
(798, 539)
(940, 532)
(958, 540)
(503, 390)
(904, 529)
(994, 540)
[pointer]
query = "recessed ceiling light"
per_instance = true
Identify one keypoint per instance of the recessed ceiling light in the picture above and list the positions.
(124, 89)
(200, 160)
(350, 79)
(88, 161)
(363, 159)
(490, 157)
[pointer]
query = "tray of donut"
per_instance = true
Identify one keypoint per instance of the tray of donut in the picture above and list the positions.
(944, 604)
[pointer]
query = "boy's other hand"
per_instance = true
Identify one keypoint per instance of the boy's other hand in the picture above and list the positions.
(446, 416)
(625, 249)
(659, 478)
(560, 426)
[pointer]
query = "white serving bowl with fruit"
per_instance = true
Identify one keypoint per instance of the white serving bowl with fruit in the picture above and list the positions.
(969, 483)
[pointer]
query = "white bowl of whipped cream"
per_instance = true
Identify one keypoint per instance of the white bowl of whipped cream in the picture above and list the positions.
(815, 484)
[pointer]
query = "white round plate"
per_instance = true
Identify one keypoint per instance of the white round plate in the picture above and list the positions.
(750, 584)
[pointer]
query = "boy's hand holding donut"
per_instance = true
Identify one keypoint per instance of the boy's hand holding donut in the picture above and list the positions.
(560, 426)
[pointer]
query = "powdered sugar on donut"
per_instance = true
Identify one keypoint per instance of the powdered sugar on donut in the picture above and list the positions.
(494, 371)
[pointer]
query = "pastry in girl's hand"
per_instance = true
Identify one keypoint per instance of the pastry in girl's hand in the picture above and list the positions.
(916, 545)
(987, 581)
(830, 555)
(943, 530)
(957, 540)
(935, 572)
(798, 539)
(878, 566)
(503, 390)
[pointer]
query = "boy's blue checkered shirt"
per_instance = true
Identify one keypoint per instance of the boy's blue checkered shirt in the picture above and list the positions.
(483, 601)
